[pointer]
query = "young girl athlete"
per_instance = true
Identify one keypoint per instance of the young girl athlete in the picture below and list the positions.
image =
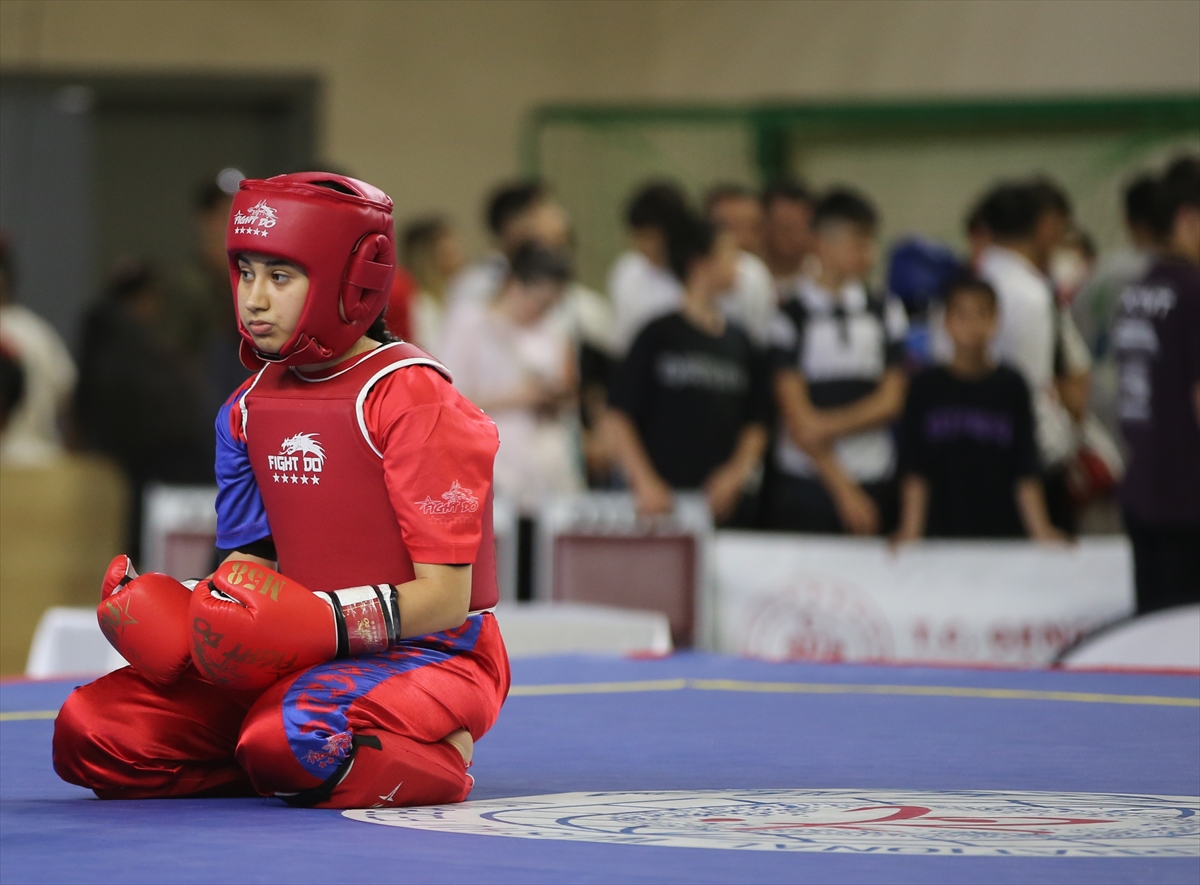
(343, 654)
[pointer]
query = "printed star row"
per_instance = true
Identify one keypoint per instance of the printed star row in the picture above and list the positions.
(293, 479)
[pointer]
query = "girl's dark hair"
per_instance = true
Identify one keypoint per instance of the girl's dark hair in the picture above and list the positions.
(688, 240)
(378, 330)
(534, 263)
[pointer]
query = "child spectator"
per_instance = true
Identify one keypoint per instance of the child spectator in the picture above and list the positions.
(968, 459)
(1157, 341)
(788, 239)
(837, 354)
(689, 406)
(432, 254)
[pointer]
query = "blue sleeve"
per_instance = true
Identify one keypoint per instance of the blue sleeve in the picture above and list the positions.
(241, 516)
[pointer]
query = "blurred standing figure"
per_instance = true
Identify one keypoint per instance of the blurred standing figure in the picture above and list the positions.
(1026, 222)
(33, 428)
(690, 405)
(968, 459)
(432, 254)
(788, 237)
(640, 284)
(198, 314)
(513, 356)
(1096, 302)
(1156, 336)
(837, 352)
(750, 301)
(517, 213)
(138, 401)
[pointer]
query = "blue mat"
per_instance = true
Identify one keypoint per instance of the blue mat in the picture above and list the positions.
(687, 722)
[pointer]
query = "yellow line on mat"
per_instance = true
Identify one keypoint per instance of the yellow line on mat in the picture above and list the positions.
(947, 691)
(734, 685)
(18, 715)
(599, 687)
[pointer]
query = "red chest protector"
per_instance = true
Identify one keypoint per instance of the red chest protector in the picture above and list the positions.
(323, 485)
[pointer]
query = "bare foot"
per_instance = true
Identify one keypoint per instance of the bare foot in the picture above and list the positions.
(461, 741)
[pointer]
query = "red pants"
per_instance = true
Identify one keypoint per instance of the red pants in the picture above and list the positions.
(347, 734)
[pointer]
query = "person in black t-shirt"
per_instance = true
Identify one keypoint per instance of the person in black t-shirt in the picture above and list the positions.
(690, 404)
(968, 456)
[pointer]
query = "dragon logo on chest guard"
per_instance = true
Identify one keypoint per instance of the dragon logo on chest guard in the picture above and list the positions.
(300, 460)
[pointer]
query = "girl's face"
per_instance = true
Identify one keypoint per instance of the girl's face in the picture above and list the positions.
(270, 298)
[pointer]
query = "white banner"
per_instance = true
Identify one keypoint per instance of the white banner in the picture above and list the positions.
(849, 599)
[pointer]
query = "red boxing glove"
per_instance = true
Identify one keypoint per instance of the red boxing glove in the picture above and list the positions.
(146, 619)
(250, 625)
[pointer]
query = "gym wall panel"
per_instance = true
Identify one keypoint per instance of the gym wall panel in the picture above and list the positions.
(427, 98)
(926, 185)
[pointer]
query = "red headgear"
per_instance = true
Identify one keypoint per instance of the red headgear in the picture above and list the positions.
(341, 238)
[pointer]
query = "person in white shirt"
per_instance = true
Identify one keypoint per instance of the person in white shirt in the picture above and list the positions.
(1026, 221)
(32, 432)
(513, 356)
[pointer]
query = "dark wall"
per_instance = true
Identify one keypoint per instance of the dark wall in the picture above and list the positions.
(96, 168)
(47, 197)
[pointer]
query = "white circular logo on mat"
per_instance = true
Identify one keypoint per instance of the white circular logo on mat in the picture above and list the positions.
(1022, 824)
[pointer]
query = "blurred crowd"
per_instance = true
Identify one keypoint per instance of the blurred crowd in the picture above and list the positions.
(751, 348)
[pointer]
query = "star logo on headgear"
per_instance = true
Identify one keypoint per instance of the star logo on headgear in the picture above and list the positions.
(257, 220)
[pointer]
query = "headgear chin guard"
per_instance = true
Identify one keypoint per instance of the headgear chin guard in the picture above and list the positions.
(342, 239)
